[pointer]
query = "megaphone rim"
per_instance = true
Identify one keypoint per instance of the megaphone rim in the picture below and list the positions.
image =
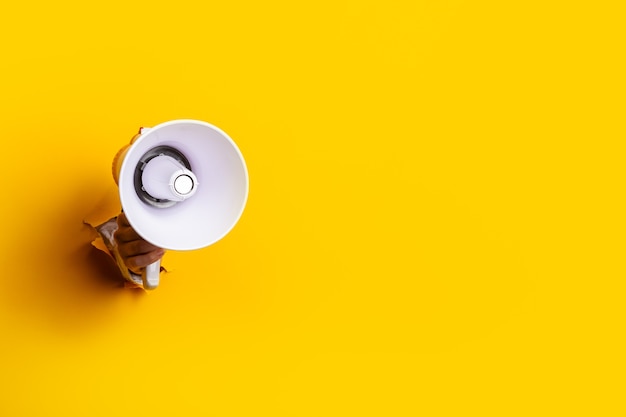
(124, 167)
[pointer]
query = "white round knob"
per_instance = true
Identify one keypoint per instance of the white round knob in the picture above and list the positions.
(165, 178)
(183, 184)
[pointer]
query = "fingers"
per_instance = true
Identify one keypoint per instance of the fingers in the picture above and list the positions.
(136, 252)
(135, 247)
(125, 233)
(138, 262)
(122, 220)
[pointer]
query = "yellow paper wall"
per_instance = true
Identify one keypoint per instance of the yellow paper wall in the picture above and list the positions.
(435, 223)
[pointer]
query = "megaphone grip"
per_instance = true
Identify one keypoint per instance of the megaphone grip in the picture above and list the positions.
(150, 275)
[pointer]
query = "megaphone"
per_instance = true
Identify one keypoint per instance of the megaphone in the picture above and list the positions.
(183, 185)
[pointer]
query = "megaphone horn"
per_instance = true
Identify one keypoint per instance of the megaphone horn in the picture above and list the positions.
(183, 185)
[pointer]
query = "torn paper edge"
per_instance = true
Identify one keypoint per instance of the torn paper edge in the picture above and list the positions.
(105, 242)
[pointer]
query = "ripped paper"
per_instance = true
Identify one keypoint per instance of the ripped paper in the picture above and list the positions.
(105, 242)
(103, 220)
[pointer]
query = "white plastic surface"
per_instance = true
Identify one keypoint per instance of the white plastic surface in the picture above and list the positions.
(161, 179)
(150, 275)
(183, 184)
(221, 193)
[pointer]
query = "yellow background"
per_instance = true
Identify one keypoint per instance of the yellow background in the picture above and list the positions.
(435, 223)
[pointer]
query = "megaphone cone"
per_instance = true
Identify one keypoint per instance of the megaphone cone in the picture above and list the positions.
(183, 185)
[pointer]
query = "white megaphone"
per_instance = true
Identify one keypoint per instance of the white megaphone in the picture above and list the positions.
(183, 185)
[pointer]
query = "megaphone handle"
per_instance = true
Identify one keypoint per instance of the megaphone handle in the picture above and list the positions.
(150, 275)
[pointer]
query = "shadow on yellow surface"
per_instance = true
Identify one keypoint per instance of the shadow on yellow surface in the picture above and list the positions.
(68, 285)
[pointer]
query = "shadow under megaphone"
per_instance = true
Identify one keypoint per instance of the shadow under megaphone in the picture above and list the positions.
(70, 286)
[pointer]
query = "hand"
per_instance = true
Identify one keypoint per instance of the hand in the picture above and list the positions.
(136, 252)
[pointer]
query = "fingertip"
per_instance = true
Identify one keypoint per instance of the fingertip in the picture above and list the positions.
(121, 218)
